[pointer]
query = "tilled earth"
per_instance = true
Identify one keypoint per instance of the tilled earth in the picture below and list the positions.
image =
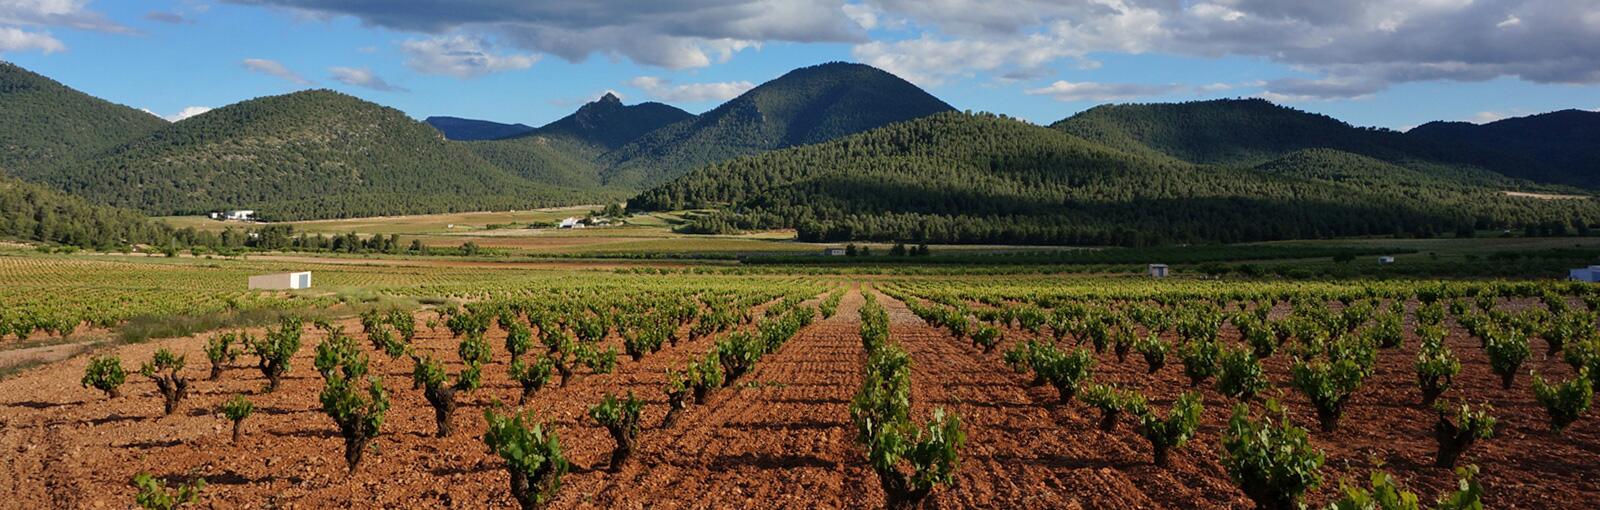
(779, 438)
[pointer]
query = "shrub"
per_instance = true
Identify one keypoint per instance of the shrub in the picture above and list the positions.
(154, 495)
(220, 352)
(1328, 385)
(357, 411)
(1272, 461)
(1240, 375)
(1507, 349)
(880, 411)
(1386, 331)
(986, 337)
(105, 373)
(1173, 430)
(705, 375)
(533, 456)
(1122, 343)
(1437, 367)
(531, 376)
(1565, 401)
(1064, 371)
(1454, 437)
(1199, 360)
(1385, 494)
(1020, 358)
(1566, 327)
(236, 410)
(1259, 335)
(1113, 403)
(274, 351)
(620, 417)
(677, 389)
(1154, 350)
(431, 376)
(163, 369)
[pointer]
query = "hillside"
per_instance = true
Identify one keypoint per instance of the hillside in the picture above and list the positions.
(986, 179)
(42, 121)
(312, 154)
(609, 124)
(1558, 147)
(456, 128)
(30, 212)
(566, 152)
(805, 106)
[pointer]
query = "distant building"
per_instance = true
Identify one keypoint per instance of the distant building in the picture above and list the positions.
(281, 281)
(833, 252)
(239, 215)
(571, 223)
(1589, 274)
(1158, 270)
(1386, 259)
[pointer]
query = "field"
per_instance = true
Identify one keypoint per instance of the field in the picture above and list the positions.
(794, 351)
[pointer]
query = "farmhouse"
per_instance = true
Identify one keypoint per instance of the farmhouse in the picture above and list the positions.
(573, 222)
(833, 252)
(1589, 274)
(281, 281)
(1386, 260)
(236, 215)
(1158, 270)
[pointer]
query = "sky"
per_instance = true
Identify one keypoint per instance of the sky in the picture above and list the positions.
(1386, 63)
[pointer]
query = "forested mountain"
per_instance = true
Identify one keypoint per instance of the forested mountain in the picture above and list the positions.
(311, 154)
(609, 124)
(30, 212)
(1559, 147)
(456, 128)
(42, 121)
(565, 152)
(807, 105)
(987, 179)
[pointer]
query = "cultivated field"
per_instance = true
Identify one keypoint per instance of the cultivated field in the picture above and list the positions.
(771, 379)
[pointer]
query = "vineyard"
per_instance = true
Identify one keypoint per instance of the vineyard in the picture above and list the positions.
(533, 389)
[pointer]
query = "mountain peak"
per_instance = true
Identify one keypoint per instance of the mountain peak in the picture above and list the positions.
(610, 98)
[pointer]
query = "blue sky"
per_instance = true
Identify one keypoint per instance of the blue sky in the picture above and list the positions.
(1391, 63)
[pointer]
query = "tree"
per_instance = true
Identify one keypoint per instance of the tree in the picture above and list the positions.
(532, 453)
(105, 373)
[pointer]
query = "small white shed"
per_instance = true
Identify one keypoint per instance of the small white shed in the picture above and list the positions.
(833, 252)
(571, 223)
(1158, 270)
(281, 281)
(1386, 259)
(1589, 274)
(240, 215)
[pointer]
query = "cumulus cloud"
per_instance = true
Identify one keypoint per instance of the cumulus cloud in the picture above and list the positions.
(363, 77)
(13, 39)
(460, 56)
(186, 112)
(274, 68)
(665, 33)
(58, 13)
(1088, 91)
(665, 90)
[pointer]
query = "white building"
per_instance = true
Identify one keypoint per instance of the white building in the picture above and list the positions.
(1386, 259)
(1158, 270)
(1589, 274)
(573, 222)
(238, 215)
(833, 252)
(281, 281)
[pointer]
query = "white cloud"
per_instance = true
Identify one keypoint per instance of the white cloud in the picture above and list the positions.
(58, 13)
(274, 68)
(460, 56)
(13, 39)
(1088, 91)
(186, 112)
(363, 77)
(663, 89)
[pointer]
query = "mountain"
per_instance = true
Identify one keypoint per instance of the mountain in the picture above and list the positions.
(805, 106)
(456, 128)
(609, 124)
(1558, 147)
(42, 121)
(983, 178)
(310, 154)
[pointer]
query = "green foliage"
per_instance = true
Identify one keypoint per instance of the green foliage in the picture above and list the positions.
(154, 495)
(236, 410)
(1386, 494)
(1240, 375)
(1436, 368)
(1173, 430)
(357, 409)
(1566, 401)
(1469, 426)
(105, 373)
(220, 351)
(1200, 360)
(1154, 350)
(1271, 460)
(532, 453)
(1063, 370)
(531, 376)
(1112, 403)
(1507, 348)
(163, 369)
(986, 337)
(274, 351)
(620, 417)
